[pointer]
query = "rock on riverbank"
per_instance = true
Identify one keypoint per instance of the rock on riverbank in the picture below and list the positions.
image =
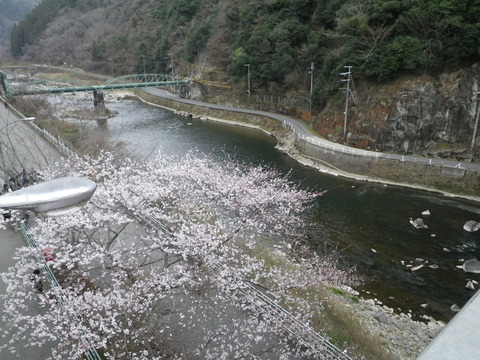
(402, 337)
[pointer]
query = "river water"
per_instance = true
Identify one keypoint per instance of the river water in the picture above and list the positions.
(368, 223)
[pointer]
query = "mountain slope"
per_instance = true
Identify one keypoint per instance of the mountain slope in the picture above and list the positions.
(13, 11)
(384, 42)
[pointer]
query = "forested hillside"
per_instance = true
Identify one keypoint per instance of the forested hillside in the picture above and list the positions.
(12, 11)
(278, 38)
(412, 60)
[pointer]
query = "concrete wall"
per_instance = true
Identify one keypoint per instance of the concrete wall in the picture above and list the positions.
(431, 175)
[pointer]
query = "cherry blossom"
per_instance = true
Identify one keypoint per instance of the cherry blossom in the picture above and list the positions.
(156, 264)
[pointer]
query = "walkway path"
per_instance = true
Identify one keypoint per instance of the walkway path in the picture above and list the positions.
(9, 241)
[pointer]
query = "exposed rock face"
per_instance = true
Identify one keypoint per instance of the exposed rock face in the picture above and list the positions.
(423, 116)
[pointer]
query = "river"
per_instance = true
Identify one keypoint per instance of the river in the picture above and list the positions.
(368, 223)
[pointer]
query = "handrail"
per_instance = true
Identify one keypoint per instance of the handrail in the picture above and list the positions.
(307, 336)
(91, 353)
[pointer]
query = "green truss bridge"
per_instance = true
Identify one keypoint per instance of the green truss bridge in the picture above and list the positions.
(123, 82)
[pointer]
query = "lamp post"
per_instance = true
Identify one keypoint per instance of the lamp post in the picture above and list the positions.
(53, 197)
(348, 74)
(475, 127)
(13, 122)
(248, 78)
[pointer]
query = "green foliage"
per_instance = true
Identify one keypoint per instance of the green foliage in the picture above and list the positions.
(381, 39)
(97, 49)
(198, 35)
(161, 57)
(404, 53)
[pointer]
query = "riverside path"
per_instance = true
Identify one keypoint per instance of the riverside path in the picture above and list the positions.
(304, 133)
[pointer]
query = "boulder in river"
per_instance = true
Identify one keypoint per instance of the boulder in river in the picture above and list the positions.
(472, 266)
(455, 308)
(418, 223)
(471, 226)
(470, 285)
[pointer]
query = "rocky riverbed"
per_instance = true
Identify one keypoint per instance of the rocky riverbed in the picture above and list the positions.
(402, 337)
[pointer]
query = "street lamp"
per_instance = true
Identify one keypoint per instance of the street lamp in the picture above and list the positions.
(54, 197)
(143, 60)
(248, 78)
(312, 67)
(28, 119)
(472, 145)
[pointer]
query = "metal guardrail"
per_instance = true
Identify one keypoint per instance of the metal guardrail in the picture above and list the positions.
(305, 335)
(57, 142)
(347, 150)
(60, 298)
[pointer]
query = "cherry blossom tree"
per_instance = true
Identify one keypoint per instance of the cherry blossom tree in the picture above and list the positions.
(156, 264)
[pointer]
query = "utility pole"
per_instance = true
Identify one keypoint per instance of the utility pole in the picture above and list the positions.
(312, 67)
(475, 127)
(143, 60)
(248, 78)
(348, 78)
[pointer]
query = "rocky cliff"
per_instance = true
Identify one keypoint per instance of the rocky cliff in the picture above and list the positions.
(433, 117)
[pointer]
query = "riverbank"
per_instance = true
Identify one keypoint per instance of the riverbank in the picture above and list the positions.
(399, 336)
(285, 137)
(394, 334)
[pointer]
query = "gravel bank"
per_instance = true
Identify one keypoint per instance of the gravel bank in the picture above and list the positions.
(402, 337)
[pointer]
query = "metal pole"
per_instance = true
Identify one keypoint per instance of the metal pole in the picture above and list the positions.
(143, 59)
(476, 121)
(248, 79)
(312, 66)
(347, 94)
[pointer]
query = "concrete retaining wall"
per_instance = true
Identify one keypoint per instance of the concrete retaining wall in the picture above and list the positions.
(435, 176)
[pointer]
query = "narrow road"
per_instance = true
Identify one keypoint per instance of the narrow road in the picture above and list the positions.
(303, 132)
(21, 147)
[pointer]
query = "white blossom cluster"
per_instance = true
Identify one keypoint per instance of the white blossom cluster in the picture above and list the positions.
(135, 291)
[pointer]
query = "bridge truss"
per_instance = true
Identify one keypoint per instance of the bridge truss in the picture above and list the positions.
(123, 82)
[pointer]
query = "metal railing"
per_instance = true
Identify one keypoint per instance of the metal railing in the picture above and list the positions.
(304, 334)
(60, 297)
(347, 150)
